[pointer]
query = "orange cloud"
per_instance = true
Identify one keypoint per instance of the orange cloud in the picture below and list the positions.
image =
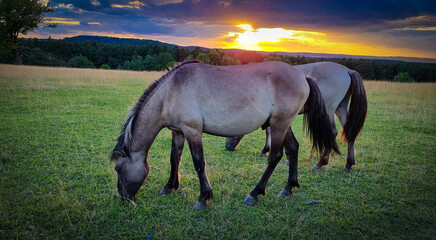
(121, 6)
(65, 21)
(137, 4)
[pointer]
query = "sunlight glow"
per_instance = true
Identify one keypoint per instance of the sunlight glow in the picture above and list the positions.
(284, 40)
(258, 39)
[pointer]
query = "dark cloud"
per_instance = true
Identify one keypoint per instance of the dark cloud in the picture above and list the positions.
(414, 33)
(294, 14)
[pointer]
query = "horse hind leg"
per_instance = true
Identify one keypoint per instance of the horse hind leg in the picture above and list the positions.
(342, 113)
(325, 158)
(350, 158)
(178, 140)
(232, 143)
(266, 147)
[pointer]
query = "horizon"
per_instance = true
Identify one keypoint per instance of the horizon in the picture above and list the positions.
(394, 58)
(381, 29)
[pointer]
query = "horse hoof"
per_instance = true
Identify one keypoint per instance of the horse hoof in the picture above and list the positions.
(347, 169)
(231, 149)
(284, 193)
(261, 154)
(165, 191)
(316, 167)
(250, 201)
(200, 205)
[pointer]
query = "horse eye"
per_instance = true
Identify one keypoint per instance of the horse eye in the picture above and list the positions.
(118, 169)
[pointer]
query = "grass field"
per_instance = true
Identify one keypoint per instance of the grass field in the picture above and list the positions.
(58, 127)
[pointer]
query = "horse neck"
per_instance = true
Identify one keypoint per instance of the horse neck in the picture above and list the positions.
(148, 123)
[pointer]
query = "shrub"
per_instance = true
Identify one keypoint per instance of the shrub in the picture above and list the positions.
(403, 77)
(105, 66)
(81, 62)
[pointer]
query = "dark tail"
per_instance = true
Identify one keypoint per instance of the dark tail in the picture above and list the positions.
(357, 110)
(317, 122)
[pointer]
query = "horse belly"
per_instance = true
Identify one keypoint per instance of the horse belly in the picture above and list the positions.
(234, 127)
(229, 119)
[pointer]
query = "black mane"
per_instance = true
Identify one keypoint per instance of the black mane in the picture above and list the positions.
(123, 143)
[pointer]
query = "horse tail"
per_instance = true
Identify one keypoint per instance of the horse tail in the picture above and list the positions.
(357, 110)
(317, 121)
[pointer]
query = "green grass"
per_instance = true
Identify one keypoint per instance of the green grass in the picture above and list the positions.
(56, 180)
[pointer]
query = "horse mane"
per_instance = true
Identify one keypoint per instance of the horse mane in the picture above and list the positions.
(126, 137)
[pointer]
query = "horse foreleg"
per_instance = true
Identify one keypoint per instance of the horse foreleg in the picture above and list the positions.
(195, 143)
(265, 149)
(172, 185)
(291, 147)
(274, 157)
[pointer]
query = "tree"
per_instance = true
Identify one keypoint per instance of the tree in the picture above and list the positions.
(105, 66)
(203, 58)
(164, 61)
(149, 63)
(81, 62)
(20, 17)
(228, 60)
(403, 77)
(214, 56)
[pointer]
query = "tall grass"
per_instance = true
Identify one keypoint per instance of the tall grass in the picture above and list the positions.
(58, 126)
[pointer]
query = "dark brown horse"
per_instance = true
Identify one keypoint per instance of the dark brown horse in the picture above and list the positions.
(337, 85)
(195, 98)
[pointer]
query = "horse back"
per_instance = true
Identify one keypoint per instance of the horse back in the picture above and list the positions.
(234, 100)
(332, 79)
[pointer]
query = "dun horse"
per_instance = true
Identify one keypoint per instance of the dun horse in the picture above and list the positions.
(195, 98)
(337, 84)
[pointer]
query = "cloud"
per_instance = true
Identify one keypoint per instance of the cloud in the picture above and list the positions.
(400, 23)
(64, 21)
(290, 14)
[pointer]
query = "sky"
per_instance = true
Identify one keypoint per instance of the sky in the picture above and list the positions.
(373, 28)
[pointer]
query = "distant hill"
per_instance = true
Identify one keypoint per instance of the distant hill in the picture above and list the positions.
(117, 41)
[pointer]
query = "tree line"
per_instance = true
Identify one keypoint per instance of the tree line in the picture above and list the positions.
(158, 57)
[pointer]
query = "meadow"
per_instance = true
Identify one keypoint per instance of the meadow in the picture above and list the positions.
(58, 127)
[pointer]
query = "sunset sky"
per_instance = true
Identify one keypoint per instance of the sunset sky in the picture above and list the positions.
(374, 28)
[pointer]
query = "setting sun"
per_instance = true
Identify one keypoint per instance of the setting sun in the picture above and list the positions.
(263, 39)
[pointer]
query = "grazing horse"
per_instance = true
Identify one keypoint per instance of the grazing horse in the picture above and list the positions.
(337, 84)
(195, 98)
